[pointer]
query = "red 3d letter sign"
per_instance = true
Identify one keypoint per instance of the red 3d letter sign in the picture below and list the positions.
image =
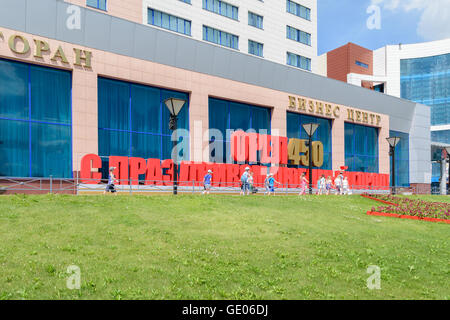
(245, 147)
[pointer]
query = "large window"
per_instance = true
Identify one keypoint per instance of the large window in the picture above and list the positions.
(35, 121)
(225, 115)
(220, 37)
(255, 20)
(298, 10)
(298, 61)
(133, 120)
(169, 22)
(401, 159)
(427, 81)
(298, 35)
(98, 4)
(295, 122)
(222, 8)
(361, 148)
(255, 48)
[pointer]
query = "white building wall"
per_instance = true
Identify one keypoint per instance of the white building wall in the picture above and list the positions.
(322, 66)
(379, 62)
(396, 53)
(273, 36)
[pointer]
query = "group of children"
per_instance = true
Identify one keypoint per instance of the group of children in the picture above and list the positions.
(324, 185)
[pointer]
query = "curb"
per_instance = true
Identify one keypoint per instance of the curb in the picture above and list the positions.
(393, 215)
(379, 200)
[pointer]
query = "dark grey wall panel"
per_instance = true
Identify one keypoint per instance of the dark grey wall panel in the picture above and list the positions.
(122, 37)
(62, 31)
(221, 63)
(204, 58)
(236, 66)
(185, 54)
(41, 18)
(251, 71)
(266, 72)
(144, 43)
(166, 48)
(12, 14)
(97, 30)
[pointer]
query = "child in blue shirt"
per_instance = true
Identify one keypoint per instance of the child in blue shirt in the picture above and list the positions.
(207, 182)
(271, 183)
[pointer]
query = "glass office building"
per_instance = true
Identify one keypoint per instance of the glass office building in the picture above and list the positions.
(427, 81)
(73, 104)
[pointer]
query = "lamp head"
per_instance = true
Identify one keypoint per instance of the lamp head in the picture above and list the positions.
(393, 141)
(310, 128)
(174, 105)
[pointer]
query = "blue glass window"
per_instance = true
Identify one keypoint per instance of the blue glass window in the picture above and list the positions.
(442, 136)
(298, 10)
(295, 122)
(222, 8)
(98, 4)
(169, 22)
(298, 61)
(427, 81)
(133, 120)
(401, 159)
(298, 35)
(255, 20)
(224, 115)
(220, 37)
(35, 121)
(255, 48)
(187, 1)
(361, 148)
(361, 64)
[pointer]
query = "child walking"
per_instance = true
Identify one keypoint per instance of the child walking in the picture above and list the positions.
(303, 183)
(329, 185)
(271, 183)
(207, 182)
(321, 185)
(110, 187)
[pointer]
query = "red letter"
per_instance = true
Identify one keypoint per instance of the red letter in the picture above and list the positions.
(168, 177)
(121, 172)
(137, 166)
(154, 172)
(88, 162)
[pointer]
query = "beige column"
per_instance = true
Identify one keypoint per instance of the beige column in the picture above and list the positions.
(198, 124)
(84, 115)
(338, 143)
(383, 146)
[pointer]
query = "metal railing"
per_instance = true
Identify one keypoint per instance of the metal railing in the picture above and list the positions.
(9, 185)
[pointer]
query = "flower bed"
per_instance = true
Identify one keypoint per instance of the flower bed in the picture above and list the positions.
(410, 209)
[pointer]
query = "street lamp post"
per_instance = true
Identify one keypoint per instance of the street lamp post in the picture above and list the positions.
(174, 105)
(310, 129)
(393, 141)
(448, 155)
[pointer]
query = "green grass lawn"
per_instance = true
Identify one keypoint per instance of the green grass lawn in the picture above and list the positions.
(217, 247)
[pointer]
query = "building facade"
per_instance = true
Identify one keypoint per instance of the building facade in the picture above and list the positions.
(417, 72)
(283, 31)
(96, 86)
